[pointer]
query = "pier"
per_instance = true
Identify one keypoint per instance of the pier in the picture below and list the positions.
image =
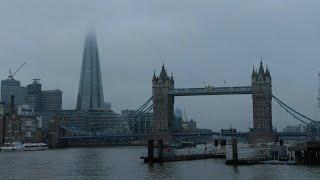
(160, 153)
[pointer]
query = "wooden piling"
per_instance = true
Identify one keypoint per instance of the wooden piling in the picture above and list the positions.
(160, 150)
(150, 151)
(234, 151)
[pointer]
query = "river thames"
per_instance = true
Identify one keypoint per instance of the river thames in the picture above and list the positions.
(124, 163)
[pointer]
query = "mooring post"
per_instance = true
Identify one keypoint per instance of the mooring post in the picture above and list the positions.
(281, 142)
(216, 143)
(234, 151)
(160, 150)
(150, 151)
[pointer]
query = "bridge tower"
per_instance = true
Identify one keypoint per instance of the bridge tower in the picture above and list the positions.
(262, 106)
(163, 105)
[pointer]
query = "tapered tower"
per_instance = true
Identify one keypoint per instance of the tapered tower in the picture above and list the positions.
(163, 104)
(262, 100)
(90, 94)
(262, 131)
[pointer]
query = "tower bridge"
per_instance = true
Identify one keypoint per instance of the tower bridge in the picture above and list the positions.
(162, 105)
(163, 93)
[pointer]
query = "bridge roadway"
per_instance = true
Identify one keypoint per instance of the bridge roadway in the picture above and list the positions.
(137, 137)
(211, 91)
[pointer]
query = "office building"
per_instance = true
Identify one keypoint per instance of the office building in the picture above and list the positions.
(51, 101)
(92, 115)
(90, 93)
(34, 95)
(12, 87)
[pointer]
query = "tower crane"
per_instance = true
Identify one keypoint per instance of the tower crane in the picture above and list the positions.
(11, 75)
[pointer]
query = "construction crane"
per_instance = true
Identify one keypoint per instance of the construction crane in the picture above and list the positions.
(11, 75)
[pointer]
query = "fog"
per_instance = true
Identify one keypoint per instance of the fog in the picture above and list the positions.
(207, 41)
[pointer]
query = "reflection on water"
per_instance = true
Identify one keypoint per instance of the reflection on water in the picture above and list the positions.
(124, 163)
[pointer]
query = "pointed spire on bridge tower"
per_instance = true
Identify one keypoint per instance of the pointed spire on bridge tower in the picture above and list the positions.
(268, 71)
(163, 73)
(154, 75)
(254, 73)
(261, 69)
(171, 78)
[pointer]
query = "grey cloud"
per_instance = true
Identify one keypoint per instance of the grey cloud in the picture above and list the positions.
(199, 41)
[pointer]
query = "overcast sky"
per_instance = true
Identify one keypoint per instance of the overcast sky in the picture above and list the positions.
(199, 41)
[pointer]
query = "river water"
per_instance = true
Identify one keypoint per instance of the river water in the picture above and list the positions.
(124, 163)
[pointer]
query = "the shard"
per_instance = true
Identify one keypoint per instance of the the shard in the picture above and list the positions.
(92, 115)
(90, 94)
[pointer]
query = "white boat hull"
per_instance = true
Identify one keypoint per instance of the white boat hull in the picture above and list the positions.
(17, 146)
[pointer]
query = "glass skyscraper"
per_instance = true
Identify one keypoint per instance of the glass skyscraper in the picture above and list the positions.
(92, 115)
(90, 94)
(12, 87)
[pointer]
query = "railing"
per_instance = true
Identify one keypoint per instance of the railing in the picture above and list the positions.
(211, 91)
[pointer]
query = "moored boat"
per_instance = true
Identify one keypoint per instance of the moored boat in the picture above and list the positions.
(18, 146)
(11, 146)
(34, 147)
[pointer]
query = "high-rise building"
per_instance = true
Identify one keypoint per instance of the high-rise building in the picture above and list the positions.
(12, 87)
(51, 101)
(92, 114)
(50, 105)
(90, 94)
(34, 95)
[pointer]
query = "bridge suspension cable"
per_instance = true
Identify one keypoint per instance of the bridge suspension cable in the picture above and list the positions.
(142, 108)
(306, 117)
(294, 113)
(148, 109)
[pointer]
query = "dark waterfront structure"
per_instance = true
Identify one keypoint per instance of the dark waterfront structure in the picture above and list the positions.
(308, 153)
(90, 93)
(19, 124)
(163, 93)
(95, 122)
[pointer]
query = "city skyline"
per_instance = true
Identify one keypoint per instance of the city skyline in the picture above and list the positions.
(202, 49)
